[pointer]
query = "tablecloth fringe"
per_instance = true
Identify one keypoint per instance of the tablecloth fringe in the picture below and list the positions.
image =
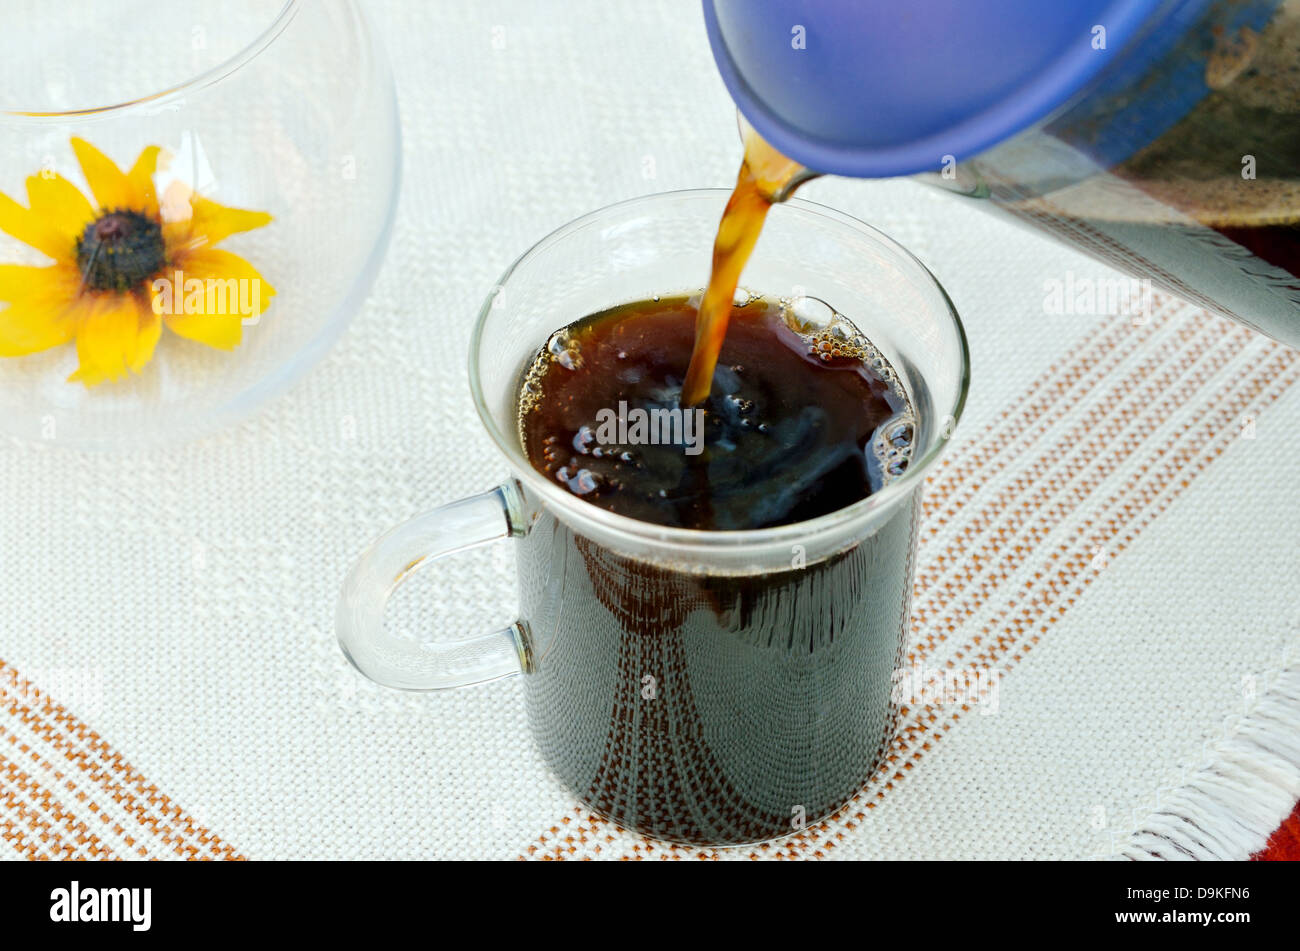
(1248, 785)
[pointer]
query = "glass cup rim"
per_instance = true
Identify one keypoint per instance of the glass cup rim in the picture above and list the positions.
(206, 78)
(703, 541)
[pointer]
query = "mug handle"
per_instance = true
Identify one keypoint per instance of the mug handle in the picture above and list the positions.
(393, 558)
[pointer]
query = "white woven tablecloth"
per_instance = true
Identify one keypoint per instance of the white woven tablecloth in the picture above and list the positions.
(1131, 561)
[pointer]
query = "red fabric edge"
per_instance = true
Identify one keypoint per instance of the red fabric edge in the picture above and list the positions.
(1284, 843)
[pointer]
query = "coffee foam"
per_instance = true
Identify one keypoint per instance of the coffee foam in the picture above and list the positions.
(830, 335)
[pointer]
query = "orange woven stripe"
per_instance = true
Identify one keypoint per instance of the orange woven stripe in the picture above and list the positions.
(94, 814)
(89, 843)
(999, 447)
(1088, 442)
(1023, 422)
(57, 819)
(45, 843)
(22, 842)
(926, 727)
(103, 766)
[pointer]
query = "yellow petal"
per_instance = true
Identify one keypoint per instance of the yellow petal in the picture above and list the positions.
(27, 327)
(31, 228)
(147, 341)
(42, 313)
(192, 222)
(110, 187)
(144, 197)
(108, 337)
(58, 284)
(60, 203)
(216, 293)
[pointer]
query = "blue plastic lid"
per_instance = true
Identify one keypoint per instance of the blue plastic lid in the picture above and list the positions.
(879, 88)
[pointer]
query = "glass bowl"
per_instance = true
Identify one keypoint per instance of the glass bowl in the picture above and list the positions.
(198, 197)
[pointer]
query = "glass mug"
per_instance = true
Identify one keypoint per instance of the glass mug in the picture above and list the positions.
(702, 687)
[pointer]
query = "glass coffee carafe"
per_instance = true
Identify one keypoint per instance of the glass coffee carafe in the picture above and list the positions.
(1161, 137)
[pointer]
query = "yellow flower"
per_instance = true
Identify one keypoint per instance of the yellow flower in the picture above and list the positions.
(117, 261)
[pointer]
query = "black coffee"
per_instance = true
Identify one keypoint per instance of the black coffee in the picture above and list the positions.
(697, 705)
(796, 425)
(714, 709)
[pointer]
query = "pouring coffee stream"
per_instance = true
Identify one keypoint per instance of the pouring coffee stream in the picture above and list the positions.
(766, 177)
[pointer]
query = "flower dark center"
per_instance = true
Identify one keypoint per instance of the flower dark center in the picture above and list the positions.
(120, 250)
